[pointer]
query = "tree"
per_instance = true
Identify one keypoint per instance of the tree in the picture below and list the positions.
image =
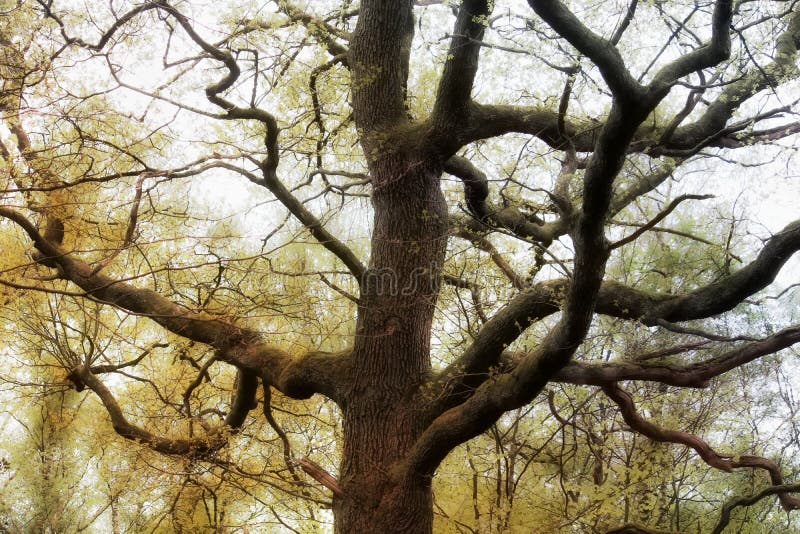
(572, 145)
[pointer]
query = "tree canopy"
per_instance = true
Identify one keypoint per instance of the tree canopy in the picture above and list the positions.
(400, 266)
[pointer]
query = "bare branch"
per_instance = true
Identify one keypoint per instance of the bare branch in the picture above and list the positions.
(728, 507)
(110, 368)
(624, 23)
(108, 34)
(696, 375)
(725, 463)
(657, 219)
(603, 53)
(485, 245)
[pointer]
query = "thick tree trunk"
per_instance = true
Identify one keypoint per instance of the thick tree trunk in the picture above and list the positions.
(392, 352)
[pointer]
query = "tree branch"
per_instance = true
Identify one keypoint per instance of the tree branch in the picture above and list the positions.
(107, 35)
(707, 130)
(716, 51)
(696, 375)
(643, 185)
(110, 368)
(455, 86)
(727, 293)
(270, 164)
(295, 376)
(727, 508)
(184, 447)
(320, 475)
(725, 463)
(476, 190)
(488, 121)
(510, 390)
(658, 218)
(314, 225)
(613, 299)
(603, 53)
(473, 236)
(318, 28)
(517, 387)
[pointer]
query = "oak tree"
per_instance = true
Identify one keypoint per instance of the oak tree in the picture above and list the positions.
(425, 212)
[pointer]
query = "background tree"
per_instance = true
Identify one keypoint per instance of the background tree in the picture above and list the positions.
(425, 213)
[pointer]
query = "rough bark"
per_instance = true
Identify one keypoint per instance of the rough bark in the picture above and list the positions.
(391, 353)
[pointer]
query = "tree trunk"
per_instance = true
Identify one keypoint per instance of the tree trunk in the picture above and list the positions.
(392, 352)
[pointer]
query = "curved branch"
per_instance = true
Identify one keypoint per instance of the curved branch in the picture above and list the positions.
(107, 35)
(725, 463)
(696, 375)
(729, 292)
(214, 91)
(613, 299)
(476, 190)
(269, 165)
(708, 130)
(507, 391)
(275, 186)
(476, 185)
(603, 53)
(488, 121)
(295, 376)
(717, 50)
(287, 446)
(244, 398)
(727, 508)
(317, 107)
(185, 447)
(202, 374)
(196, 326)
(455, 86)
